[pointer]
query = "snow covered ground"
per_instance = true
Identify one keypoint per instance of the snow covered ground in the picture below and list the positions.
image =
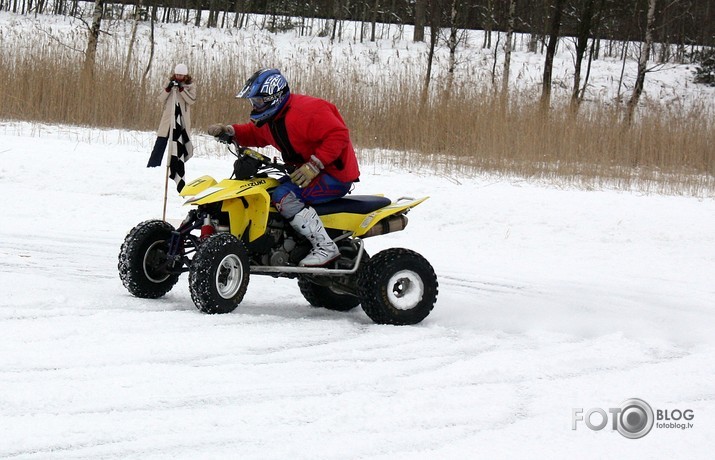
(550, 300)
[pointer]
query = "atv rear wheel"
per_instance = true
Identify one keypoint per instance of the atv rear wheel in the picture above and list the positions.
(325, 297)
(397, 286)
(219, 273)
(142, 260)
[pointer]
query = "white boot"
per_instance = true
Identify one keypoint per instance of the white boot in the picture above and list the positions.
(308, 224)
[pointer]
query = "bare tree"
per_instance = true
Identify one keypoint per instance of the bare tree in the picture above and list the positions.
(373, 20)
(643, 60)
(338, 15)
(452, 43)
(420, 11)
(197, 19)
(137, 12)
(507, 49)
(624, 56)
(489, 22)
(583, 34)
(683, 23)
(557, 9)
(434, 19)
(595, 44)
(91, 52)
(151, 45)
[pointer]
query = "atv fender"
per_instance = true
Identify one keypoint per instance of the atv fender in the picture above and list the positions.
(248, 212)
(361, 223)
(246, 201)
(197, 186)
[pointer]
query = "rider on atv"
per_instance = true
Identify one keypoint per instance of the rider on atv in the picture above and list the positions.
(313, 139)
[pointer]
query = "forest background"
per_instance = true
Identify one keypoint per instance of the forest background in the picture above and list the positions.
(436, 107)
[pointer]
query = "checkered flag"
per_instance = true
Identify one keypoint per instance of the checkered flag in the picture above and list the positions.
(183, 151)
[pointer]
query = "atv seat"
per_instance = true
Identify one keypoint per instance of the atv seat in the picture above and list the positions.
(354, 204)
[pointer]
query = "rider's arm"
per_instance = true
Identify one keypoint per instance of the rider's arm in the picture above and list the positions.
(250, 135)
(331, 134)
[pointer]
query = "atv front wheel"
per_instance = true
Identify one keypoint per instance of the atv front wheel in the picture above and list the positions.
(219, 273)
(397, 286)
(142, 260)
(324, 297)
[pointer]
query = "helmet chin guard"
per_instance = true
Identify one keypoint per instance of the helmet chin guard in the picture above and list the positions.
(268, 91)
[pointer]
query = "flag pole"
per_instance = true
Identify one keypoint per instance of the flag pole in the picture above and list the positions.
(169, 150)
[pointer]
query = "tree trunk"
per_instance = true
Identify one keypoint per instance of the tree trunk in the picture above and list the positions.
(494, 65)
(557, 8)
(420, 11)
(452, 44)
(488, 24)
(339, 14)
(151, 46)
(596, 24)
(507, 49)
(434, 34)
(583, 33)
(91, 52)
(212, 20)
(643, 61)
(197, 20)
(132, 39)
(594, 45)
(624, 54)
(237, 13)
(373, 20)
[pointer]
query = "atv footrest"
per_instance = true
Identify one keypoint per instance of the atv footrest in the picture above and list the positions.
(323, 271)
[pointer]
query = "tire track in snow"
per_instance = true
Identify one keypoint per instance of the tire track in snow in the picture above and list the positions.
(59, 256)
(467, 283)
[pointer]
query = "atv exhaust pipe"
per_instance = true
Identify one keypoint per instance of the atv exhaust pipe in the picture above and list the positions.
(394, 223)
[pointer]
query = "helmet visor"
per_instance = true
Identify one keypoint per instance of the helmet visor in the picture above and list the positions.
(259, 103)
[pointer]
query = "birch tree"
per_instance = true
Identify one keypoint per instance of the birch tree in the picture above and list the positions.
(434, 35)
(452, 43)
(137, 12)
(643, 60)
(507, 49)
(90, 54)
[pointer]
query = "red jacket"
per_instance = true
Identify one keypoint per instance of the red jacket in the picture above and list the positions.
(306, 126)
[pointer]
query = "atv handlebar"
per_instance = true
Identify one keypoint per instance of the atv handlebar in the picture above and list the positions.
(253, 154)
(262, 163)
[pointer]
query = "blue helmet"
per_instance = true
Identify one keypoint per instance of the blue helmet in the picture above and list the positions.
(268, 92)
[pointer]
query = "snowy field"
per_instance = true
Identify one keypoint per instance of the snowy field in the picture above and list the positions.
(550, 300)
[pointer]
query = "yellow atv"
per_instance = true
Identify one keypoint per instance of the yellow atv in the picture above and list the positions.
(234, 232)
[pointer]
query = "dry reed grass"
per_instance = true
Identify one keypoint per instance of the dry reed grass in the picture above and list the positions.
(461, 132)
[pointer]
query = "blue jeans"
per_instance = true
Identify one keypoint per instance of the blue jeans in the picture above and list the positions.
(290, 199)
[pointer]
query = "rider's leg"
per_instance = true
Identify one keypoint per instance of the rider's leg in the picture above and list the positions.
(307, 223)
(291, 201)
